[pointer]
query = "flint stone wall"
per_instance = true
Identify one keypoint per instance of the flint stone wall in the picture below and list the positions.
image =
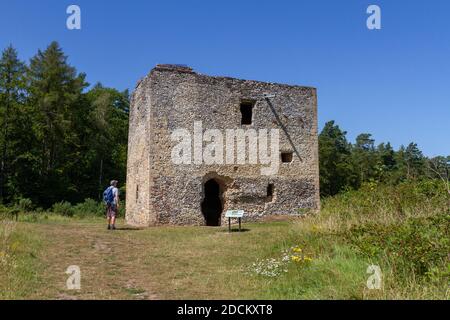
(172, 97)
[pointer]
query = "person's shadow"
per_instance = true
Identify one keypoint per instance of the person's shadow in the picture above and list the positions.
(235, 229)
(128, 229)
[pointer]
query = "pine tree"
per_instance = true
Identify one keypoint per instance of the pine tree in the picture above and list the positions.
(386, 163)
(363, 154)
(58, 108)
(415, 161)
(336, 171)
(11, 106)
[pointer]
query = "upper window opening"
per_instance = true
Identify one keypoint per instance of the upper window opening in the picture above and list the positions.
(286, 157)
(247, 112)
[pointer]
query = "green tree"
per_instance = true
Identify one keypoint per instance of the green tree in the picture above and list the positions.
(364, 157)
(58, 142)
(439, 168)
(58, 108)
(336, 171)
(386, 163)
(12, 95)
(415, 161)
(107, 137)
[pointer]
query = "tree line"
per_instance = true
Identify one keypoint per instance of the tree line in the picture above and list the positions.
(345, 165)
(58, 140)
(61, 140)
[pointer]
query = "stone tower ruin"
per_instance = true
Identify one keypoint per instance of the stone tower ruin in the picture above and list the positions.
(177, 171)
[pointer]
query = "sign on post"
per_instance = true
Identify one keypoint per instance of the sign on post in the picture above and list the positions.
(234, 214)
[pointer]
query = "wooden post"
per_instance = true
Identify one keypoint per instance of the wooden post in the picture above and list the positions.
(229, 224)
(239, 224)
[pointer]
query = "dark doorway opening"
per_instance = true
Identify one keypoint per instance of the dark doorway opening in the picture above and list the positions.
(270, 189)
(212, 203)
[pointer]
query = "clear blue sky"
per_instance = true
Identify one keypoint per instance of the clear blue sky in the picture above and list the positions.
(393, 82)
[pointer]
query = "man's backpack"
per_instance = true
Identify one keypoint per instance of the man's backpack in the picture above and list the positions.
(108, 195)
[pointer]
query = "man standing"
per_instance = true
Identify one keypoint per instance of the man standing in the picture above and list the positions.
(111, 198)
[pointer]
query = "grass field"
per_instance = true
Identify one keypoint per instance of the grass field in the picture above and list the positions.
(323, 256)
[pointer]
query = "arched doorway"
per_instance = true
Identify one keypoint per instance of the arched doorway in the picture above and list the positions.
(212, 203)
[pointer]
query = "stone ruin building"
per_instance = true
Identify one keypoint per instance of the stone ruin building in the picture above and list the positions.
(161, 190)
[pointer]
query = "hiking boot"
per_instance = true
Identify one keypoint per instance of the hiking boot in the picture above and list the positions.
(113, 227)
(109, 227)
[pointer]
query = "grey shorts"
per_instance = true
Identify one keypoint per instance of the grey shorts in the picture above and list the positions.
(111, 211)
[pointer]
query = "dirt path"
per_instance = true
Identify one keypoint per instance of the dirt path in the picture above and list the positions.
(166, 262)
(109, 261)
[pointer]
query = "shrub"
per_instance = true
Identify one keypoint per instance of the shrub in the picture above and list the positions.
(89, 207)
(388, 203)
(405, 229)
(4, 212)
(63, 208)
(416, 246)
(25, 205)
(9, 213)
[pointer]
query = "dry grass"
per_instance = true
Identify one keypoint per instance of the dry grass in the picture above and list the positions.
(170, 262)
(154, 263)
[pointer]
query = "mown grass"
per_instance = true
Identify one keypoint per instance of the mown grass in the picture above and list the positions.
(404, 230)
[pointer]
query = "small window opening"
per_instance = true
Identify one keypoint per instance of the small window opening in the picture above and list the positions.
(286, 157)
(137, 193)
(247, 112)
(270, 189)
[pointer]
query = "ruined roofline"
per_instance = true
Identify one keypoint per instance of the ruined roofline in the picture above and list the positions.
(178, 68)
